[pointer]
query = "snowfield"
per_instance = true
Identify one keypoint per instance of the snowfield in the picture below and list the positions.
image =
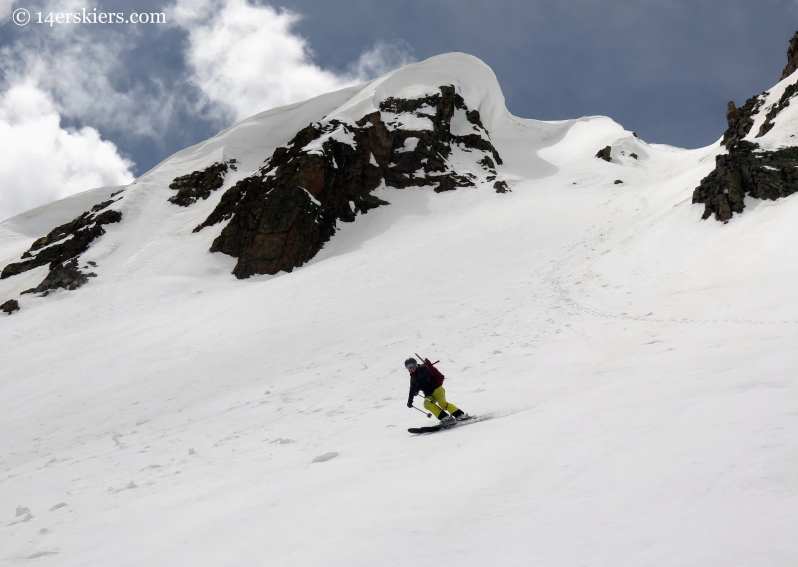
(638, 365)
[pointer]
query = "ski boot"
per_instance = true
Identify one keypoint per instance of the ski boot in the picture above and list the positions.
(460, 415)
(446, 419)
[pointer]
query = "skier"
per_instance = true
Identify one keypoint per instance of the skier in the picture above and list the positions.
(427, 378)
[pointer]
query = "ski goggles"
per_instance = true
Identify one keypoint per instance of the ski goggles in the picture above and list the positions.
(410, 365)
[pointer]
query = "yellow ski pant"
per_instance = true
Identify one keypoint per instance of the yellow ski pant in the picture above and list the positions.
(437, 402)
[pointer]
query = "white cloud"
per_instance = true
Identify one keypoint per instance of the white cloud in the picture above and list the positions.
(381, 59)
(41, 161)
(75, 67)
(48, 76)
(5, 9)
(246, 59)
(240, 59)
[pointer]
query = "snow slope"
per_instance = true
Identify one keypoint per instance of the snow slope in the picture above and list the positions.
(637, 363)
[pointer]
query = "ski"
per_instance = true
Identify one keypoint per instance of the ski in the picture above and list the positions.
(436, 428)
(430, 429)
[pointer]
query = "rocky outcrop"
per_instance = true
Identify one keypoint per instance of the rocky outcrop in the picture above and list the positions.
(746, 171)
(280, 218)
(61, 247)
(501, 187)
(199, 184)
(783, 103)
(10, 306)
(66, 275)
(604, 153)
(792, 58)
(740, 120)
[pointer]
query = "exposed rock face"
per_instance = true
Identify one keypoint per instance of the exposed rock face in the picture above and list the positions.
(501, 187)
(61, 247)
(10, 306)
(604, 153)
(282, 216)
(744, 171)
(64, 276)
(199, 184)
(740, 120)
(792, 58)
(783, 103)
(747, 169)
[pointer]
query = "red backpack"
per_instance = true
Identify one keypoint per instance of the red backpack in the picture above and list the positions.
(436, 374)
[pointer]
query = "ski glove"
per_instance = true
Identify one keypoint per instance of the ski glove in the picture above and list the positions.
(410, 404)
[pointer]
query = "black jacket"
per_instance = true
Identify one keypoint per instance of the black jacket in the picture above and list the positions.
(422, 380)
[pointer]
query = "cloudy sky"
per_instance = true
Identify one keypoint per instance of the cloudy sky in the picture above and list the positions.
(85, 105)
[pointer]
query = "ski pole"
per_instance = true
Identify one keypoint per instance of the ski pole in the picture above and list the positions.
(422, 411)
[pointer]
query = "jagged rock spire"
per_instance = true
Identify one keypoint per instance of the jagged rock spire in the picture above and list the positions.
(792, 58)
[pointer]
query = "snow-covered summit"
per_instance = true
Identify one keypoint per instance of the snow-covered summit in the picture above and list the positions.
(272, 190)
(264, 132)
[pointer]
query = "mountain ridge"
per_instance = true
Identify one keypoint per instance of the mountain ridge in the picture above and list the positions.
(762, 159)
(437, 137)
(283, 205)
(169, 413)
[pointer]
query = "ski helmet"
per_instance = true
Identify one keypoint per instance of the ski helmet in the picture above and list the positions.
(410, 362)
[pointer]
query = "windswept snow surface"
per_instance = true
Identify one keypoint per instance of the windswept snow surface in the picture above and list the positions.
(638, 364)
